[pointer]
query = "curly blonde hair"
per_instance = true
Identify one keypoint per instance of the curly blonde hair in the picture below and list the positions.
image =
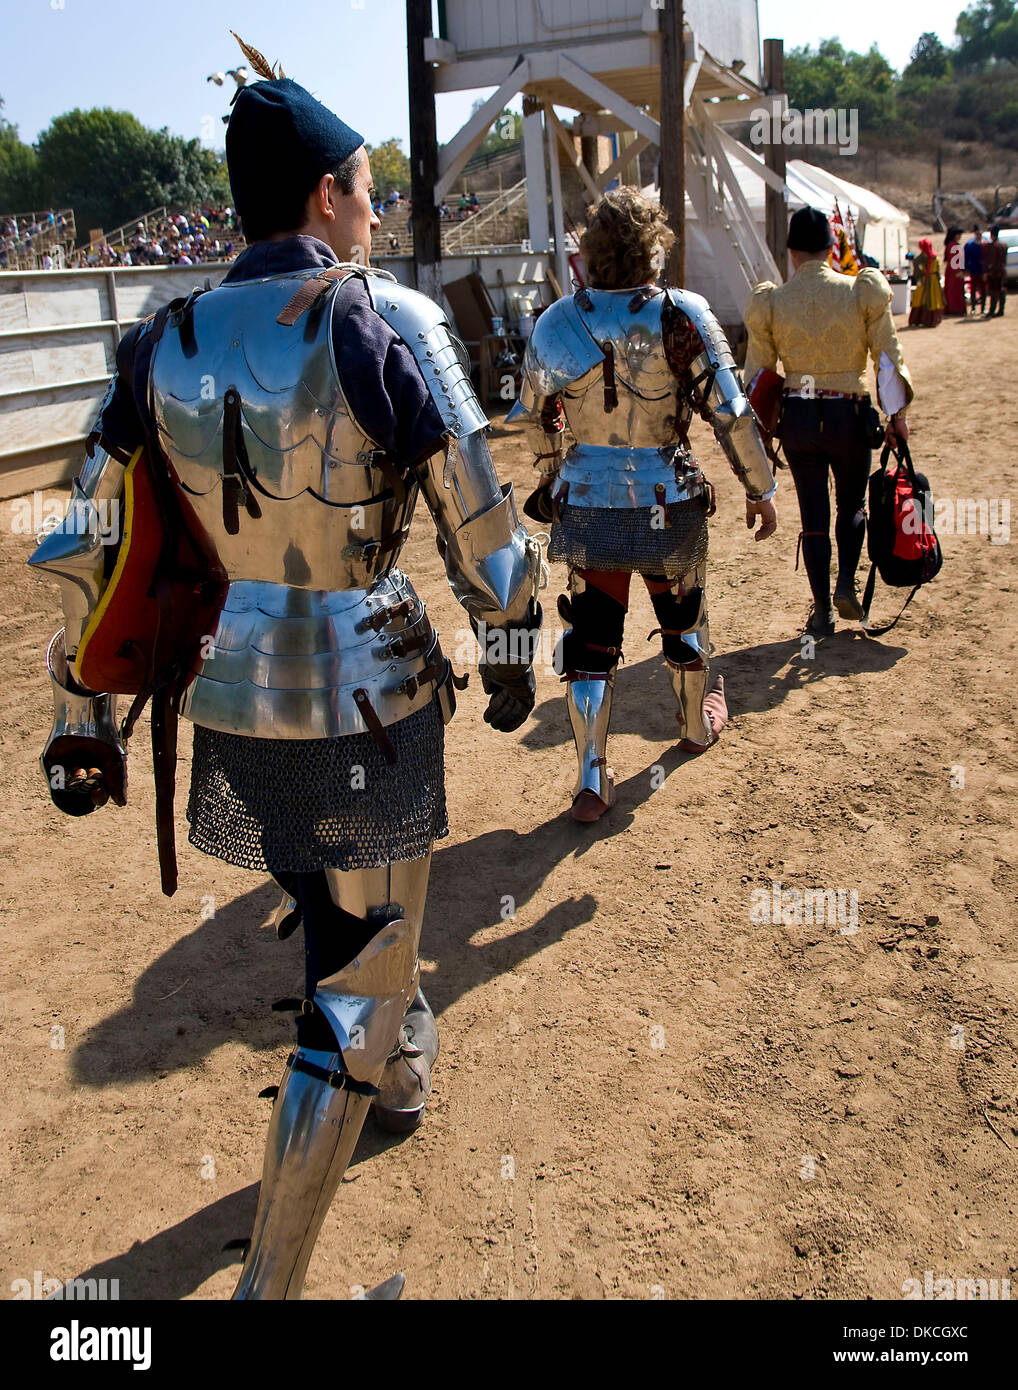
(626, 240)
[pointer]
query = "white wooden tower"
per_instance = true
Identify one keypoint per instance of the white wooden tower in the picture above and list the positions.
(602, 59)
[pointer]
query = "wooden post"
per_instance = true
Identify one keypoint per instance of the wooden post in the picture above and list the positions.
(588, 153)
(558, 213)
(427, 227)
(533, 165)
(775, 209)
(673, 135)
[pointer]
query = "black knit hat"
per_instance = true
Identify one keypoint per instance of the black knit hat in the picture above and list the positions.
(279, 143)
(809, 231)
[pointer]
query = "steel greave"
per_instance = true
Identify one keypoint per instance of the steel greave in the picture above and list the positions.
(589, 702)
(690, 686)
(312, 1137)
(315, 1126)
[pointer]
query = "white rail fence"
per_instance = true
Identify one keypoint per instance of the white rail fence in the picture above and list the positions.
(59, 332)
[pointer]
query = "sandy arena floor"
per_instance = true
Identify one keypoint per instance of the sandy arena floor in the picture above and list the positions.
(642, 1092)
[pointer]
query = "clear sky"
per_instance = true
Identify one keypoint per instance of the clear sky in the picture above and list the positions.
(153, 59)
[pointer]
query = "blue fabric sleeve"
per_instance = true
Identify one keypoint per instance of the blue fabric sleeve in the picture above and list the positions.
(381, 380)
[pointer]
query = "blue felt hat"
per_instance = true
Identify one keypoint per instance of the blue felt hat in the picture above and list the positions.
(279, 143)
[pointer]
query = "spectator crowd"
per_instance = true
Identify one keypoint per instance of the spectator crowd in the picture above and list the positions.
(24, 238)
(467, 206)
(204, 234)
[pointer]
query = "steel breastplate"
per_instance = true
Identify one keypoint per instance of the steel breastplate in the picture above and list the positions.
(320, 506)
(622, 457)
(319, 636)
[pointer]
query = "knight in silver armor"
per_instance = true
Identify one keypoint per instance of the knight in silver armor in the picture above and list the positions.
(301, 409)
(623, 364)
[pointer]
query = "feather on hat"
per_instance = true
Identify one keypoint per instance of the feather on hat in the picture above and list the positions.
(279, 143)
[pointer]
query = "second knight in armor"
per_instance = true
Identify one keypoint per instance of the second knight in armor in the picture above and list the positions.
(623, 365)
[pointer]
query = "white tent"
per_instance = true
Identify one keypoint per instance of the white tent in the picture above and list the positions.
(883, 228)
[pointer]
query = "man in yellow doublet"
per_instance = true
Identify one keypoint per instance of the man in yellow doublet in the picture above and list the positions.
(824, 328)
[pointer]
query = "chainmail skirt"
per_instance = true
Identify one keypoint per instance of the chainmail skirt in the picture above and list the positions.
(632, 539)
(298, 805)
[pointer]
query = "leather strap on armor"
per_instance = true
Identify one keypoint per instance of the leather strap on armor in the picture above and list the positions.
(163, 688)
(309, 293)
(370, 550)
(391, 474)
(236, 467)
(435, 673)
(375, 726)
(611, 393)
(384, 616)
(339, 1080)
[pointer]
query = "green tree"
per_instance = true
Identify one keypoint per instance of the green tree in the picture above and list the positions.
(987, 32)
(109, 168)
(184, 172)
(98, 162)
(929, 58)
(19, 171)
(831, 76)
(390, 167)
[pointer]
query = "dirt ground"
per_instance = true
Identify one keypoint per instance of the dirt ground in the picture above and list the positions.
(643, 1092)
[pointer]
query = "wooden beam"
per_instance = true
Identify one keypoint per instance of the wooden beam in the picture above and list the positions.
(627, 156)
(731, 110)
(603, 124)
(735, 150)
(455, 154)
(537, 182)
(692, 72)
(673, 137)
(425, 221)
(776, 211)
(574, 156)
(604, 55)
(558, 213)
(598, 91)
(439, 51)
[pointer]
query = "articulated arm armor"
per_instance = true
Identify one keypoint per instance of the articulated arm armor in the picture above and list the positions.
(491, 562)
(717, 394)
(83, 762)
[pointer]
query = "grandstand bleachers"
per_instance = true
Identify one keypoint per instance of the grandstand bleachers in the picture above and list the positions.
(27, 238)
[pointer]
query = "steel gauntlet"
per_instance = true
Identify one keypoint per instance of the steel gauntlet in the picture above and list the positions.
(84, 762)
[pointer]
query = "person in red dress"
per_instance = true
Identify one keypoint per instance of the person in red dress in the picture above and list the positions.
(954, 272)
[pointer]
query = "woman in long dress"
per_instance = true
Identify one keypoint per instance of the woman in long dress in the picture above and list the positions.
(954, 272)
(927, 296)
